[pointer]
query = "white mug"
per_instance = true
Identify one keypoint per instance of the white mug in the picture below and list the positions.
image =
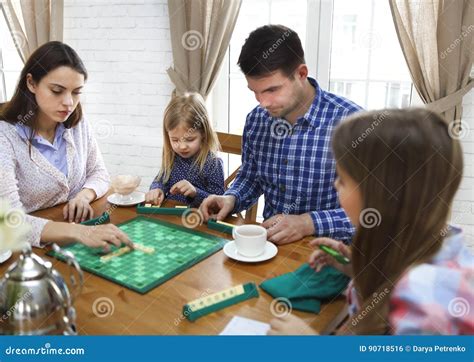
(250, 240)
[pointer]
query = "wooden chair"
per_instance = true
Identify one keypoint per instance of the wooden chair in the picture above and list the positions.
(232, 143)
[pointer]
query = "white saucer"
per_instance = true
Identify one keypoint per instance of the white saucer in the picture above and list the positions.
(5, 255)
(135, 198)
(231, 251)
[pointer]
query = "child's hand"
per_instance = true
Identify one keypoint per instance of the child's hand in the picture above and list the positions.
(319, 258)
(154, 197)
(290, 325)
(184, 188)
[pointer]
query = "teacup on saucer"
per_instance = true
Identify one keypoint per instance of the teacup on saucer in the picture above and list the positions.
(269, 252)
(250, 240)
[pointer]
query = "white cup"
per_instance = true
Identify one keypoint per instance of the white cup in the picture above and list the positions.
(250, 240)
(5, 255)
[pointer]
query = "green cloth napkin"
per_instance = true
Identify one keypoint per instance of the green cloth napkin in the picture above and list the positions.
(306, 289)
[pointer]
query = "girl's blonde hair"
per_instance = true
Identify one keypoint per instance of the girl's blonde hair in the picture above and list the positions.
(189, 109)
(408, 167)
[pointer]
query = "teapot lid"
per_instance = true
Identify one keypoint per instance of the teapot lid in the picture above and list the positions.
(28, 267)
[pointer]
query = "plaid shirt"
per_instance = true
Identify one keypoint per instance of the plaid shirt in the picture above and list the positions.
(437, 297)
(293, 166)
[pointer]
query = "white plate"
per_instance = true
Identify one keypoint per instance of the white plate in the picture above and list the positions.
(134, 199)
(231, 251)
(5, 255)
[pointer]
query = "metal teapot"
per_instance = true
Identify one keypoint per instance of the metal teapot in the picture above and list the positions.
(34, 298)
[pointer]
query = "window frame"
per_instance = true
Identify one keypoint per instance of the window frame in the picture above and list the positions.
(319, 22)
(3, 83)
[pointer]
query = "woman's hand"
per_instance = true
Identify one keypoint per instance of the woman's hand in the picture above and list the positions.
(184, 188)
(101, 236)
(319, 258)
(289, 325)
(79, 209)
(155, 197)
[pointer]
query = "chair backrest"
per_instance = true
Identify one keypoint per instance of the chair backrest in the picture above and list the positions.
(232, 143)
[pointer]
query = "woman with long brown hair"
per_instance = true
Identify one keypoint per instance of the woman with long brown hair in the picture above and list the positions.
(48, 154)
(398, 172)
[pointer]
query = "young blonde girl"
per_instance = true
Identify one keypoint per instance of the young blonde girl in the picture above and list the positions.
(411, 271)
(190, 169)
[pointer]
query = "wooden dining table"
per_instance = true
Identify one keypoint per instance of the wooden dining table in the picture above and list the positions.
(160, 311)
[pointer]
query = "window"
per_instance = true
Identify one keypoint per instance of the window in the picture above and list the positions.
(367, 63)
(10, 62)
(3, 95)
(353, 51)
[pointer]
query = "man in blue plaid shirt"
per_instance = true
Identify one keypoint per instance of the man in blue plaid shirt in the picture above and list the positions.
(286, 153)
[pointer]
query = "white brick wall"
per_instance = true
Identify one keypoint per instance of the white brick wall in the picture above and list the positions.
(125, 45)
(463, 207)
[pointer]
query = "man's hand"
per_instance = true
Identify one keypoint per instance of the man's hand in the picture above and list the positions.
(284, 229)
(217, 206)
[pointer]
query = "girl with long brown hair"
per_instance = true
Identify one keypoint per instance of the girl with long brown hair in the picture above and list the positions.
(398, 172)
(190, 169)
(48, 154)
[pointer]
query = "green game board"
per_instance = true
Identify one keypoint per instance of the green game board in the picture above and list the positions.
(176, 249)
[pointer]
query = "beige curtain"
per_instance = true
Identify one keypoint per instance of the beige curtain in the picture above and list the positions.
(200, 34)
(33, 23)
(437, 38)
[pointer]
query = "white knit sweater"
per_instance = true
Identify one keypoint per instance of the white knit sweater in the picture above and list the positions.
(33, 183)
